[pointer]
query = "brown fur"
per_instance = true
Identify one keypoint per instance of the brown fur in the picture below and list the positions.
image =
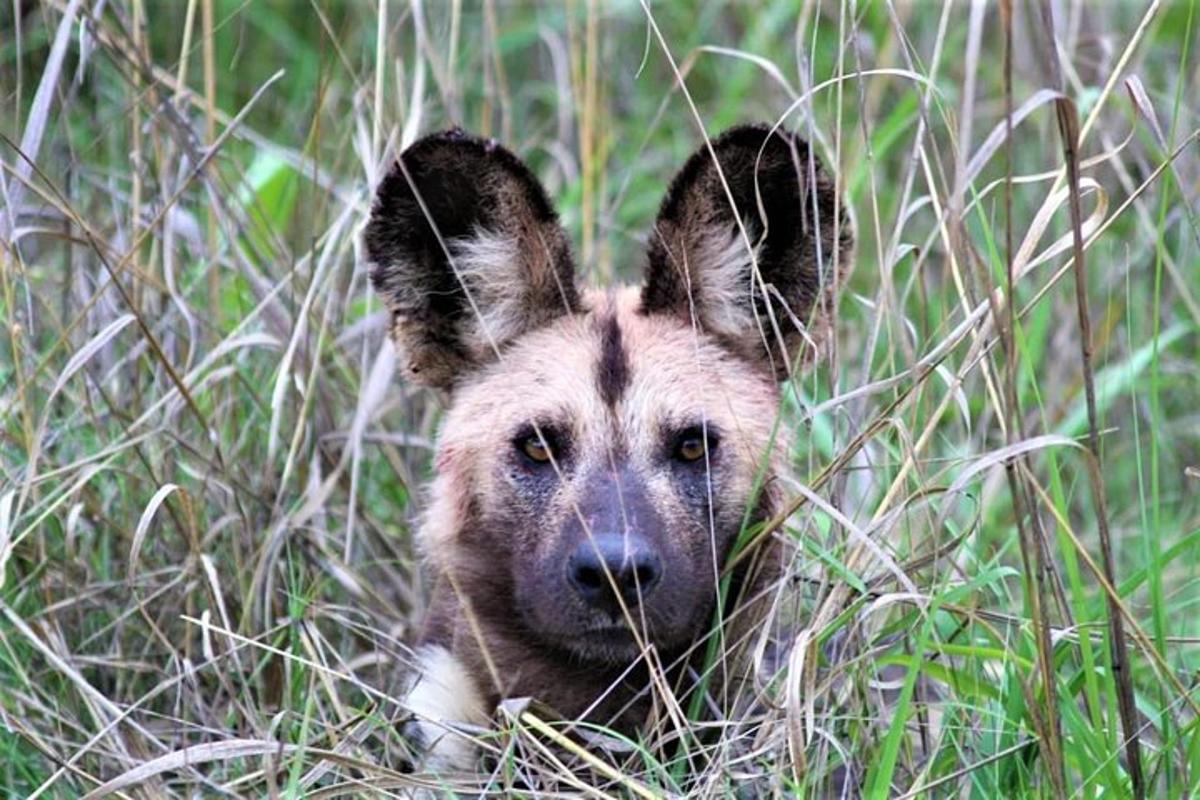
(617, 386)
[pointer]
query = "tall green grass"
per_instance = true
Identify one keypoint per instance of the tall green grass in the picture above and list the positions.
(209, 479)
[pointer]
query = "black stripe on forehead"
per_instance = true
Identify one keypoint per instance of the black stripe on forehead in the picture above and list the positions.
(612, 370)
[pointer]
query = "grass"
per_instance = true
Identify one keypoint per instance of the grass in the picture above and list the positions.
(208, 478)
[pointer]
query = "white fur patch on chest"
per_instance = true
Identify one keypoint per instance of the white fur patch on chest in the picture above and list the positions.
(442, 697)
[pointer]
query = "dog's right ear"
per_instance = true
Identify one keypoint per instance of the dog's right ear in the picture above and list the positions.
(468, 254)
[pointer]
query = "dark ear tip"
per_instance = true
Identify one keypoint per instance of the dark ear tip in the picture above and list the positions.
(448, 140)
(756, 134)
(454, 138)
(456, 152)
(739, 149)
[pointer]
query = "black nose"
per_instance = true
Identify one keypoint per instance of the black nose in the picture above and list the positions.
(634, 568)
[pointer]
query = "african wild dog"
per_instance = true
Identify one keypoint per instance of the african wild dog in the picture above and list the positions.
(600, 447)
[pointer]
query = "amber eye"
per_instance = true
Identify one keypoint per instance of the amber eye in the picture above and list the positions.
(690, 446)
(539, 449)
(691, 449)
(533, 448)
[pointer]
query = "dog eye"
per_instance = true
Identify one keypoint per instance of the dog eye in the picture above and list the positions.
(691, 444)
(538, 449)
(533, 447)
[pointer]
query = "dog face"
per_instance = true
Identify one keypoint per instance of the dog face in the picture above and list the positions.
(603, 468)
(602, 449)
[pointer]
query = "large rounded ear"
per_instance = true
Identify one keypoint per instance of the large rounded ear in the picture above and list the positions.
(468, 254)
(766, 293)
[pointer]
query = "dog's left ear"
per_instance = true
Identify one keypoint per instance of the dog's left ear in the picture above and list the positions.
(702, 268)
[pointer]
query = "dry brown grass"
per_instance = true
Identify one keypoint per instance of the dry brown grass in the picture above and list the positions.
(208, 475)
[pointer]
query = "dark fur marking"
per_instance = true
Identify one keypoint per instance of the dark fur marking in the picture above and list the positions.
(612, 370)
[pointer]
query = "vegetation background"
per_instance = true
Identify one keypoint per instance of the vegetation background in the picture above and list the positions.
(208, 475)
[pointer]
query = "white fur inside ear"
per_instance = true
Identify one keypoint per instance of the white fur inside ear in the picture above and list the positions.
(489, 266)
(442, 696)
(720, 267)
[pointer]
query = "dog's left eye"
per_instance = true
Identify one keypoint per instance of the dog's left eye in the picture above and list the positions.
(692, 443)
(538, 449)
(535, 450)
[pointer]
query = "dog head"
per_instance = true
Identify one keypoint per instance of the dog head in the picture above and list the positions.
(602, 449)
